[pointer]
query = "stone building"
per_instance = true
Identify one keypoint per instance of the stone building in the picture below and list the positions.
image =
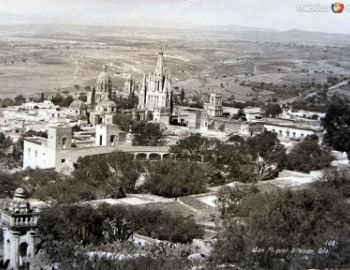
(19, 220)
(104, 112)
(214, 107)
(78, 110)
(102, 90)
(61, 149)
(292, 129)
(156, 89)
(193, 118)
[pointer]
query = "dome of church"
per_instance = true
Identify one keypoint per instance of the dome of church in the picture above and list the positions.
(106, 106)
(78, 105)
(19, 193)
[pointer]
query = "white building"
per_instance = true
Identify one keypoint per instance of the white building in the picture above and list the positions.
(61, 150)
(214, 107)
(299, 114)
(291, 129)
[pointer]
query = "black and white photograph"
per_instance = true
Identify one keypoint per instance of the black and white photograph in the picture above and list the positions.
(174, 135)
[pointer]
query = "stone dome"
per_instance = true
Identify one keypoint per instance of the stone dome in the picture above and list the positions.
(78, 105)
(106, 106)
(19, 193)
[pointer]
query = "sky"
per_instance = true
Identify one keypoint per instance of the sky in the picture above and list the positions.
(270, 14)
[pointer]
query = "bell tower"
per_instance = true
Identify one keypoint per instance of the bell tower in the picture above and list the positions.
(59, 138)
(215, 105)
(19, 220)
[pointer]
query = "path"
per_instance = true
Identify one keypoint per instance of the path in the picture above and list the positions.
(76, 70)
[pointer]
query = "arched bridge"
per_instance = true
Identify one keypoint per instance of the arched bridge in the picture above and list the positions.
(146, 152)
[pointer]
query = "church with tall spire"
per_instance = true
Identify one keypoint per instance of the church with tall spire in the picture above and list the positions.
(156, 88)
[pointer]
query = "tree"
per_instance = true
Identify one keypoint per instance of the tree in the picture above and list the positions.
(338, 179)
(286, 221)
(194, 147)
(7, 102)
(124, 121)
(132, 100)
(230, 198)
(81, 224)
(147, 134)
(93, 97)
(20, 100)
(266, 155)
(83, 98)
(240, 115)
(173, 179)
(182, 95)
(308, 155)
(272, 110)
(42, 97)
(66, 101)
(57, 99)
(336, 124)
(8, 183)
(259, 158)
(5, 142)
(225, 161)
(117, 172)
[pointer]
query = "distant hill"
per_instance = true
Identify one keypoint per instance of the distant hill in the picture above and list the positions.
(228, 32)
(290, 36)
(237, 28)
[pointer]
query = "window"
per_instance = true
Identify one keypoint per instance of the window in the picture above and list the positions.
(36, 153)
(112, 140)
(64, 143)
(63, 160)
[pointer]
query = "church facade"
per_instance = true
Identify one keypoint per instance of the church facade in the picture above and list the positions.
(156, 90)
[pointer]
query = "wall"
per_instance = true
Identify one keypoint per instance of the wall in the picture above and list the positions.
(39, 156)
(289, 132)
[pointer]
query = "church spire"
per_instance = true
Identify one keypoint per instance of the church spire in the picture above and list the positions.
(144, 82)
(160, 69)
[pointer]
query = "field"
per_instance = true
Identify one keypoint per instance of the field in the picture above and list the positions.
(68, 58)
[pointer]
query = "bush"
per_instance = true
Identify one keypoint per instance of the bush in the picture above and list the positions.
(174, 179)
(85, 225)
(308, 155)
(287, 220)
(147, 134)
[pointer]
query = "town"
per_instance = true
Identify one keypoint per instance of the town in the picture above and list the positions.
(134, 167)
